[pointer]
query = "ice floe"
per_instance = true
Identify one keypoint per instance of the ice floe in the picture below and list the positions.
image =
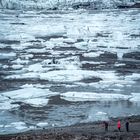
(135, 98)
(35, 68)
(20, 61)
(134, 76)
(7, 55)
(28, 93)
(17, 125)
(7, 105)
(93, 54)
(67, 75)
(36, 97)
(37, 102)
(46, 31)
(16, 67)
(42, 124)
(88, 96)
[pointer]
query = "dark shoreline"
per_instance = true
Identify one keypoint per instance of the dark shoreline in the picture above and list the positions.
(85, 131)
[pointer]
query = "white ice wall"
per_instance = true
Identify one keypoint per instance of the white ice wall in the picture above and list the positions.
(50, 4)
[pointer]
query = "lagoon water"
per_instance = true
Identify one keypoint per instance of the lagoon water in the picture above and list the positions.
(59, 68)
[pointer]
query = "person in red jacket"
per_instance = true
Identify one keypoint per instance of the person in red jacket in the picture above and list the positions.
(119, 125)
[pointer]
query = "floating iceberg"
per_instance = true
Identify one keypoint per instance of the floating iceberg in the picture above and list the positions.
(36, 97)
(37, 102)
(89, 96)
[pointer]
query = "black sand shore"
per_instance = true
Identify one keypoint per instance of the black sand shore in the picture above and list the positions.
(86, 131)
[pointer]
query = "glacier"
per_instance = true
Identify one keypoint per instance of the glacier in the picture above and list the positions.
(64, 4)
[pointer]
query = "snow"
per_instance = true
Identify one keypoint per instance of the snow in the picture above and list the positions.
(88, 96)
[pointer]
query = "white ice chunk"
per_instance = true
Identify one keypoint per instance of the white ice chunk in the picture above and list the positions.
(35, 67)
(42, 30)
(34, 85)
(37, 102)
(42, 124)
(7, 105)
(135, 97)
(20, 61)
(88, 96)
(119, 64)
(93, 54)
(96, 115)
(36, 50)
(16, 67)
(19, 125)
(7, 55)
(76, 75)
(28, 93)
(69, 40)
(134, 76)
(68, 75)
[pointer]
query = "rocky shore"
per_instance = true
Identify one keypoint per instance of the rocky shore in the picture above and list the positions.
(86, 131)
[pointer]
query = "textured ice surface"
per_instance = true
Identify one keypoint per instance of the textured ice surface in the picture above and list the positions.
(27, 93)
(37, 102)
(53, 4)
(85, 96)
(18, 125)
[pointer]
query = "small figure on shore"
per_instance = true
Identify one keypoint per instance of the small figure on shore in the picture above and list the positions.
(106, 126)
(127, 126)
(119, 125)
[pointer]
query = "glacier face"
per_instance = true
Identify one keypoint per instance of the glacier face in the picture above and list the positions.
(63, 4)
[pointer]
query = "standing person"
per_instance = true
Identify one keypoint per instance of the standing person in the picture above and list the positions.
(119, 125)
(127, 126)
(106, 126)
